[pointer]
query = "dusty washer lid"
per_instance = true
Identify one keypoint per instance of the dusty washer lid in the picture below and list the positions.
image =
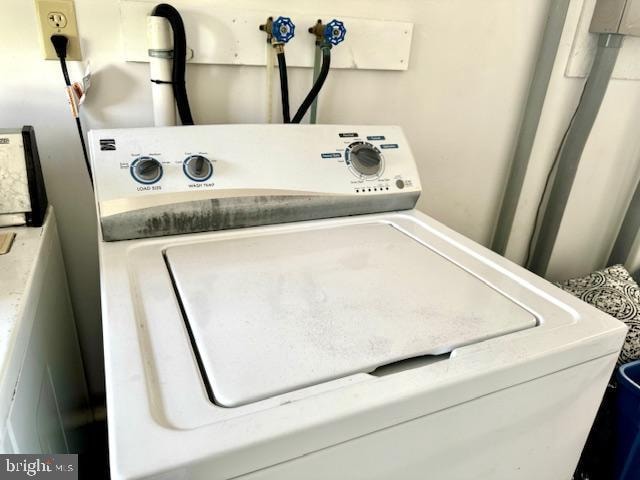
(273, 313)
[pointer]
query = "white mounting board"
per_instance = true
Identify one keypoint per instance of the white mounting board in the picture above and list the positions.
(231, 37)
(584, 48)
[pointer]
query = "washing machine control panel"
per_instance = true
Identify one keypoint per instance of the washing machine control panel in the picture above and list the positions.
(138, 169)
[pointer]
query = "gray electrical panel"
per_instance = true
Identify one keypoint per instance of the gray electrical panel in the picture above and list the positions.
(616, 16)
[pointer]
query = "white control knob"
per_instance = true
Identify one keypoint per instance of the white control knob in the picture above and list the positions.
(197, 168)
(146, 170)
(365, 159)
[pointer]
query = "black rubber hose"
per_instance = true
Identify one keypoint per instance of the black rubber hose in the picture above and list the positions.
(317, 86)
(179, 59)
(60, 43)
(284, 87)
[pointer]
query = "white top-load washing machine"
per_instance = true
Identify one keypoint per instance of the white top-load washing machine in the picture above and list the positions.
(274, 308)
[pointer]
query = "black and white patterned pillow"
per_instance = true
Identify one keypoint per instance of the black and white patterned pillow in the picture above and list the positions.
(615, 292)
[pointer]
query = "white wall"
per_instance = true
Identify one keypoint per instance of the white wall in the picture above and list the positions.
(607, 174)
(459, 104)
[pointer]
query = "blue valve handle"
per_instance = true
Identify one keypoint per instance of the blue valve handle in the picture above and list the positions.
(283, 29)
(334, 32)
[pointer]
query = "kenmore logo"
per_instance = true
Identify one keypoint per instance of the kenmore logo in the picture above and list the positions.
(4, 141)
(107, 144)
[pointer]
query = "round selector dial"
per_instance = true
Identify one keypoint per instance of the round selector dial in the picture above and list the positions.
(146, 170)
(197, 168)
(365, 159)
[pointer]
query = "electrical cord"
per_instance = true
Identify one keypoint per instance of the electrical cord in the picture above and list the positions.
(284, 87)
(317, 86)
(60, 43)
(179, 59)
(547, 181)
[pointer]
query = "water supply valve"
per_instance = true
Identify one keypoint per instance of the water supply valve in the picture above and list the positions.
(334, 32)
(282, 29)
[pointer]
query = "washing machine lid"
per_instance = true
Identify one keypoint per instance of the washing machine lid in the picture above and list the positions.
(274, 313)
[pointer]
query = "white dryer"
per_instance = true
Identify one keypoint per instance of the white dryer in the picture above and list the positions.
(274, 308)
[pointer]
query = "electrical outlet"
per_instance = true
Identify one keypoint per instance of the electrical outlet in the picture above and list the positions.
(58, 17)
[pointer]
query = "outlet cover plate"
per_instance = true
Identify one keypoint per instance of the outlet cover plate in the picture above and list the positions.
(44, 8)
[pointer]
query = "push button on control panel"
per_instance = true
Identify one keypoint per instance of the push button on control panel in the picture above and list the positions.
(146, 170)
(197, 168)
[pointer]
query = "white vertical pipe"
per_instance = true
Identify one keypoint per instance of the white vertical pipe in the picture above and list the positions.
(160, 41)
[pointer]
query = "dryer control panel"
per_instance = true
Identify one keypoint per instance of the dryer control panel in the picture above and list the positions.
(167, 180)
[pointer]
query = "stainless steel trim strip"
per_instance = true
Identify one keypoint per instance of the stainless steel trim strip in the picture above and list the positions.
(124, 205)
(229, 212)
